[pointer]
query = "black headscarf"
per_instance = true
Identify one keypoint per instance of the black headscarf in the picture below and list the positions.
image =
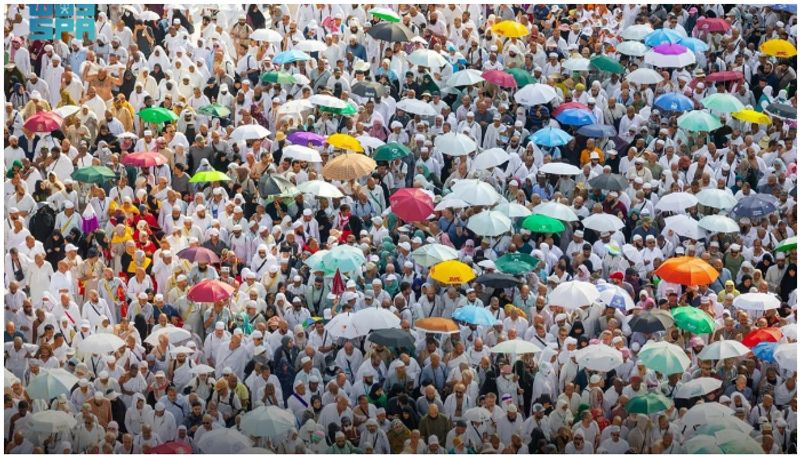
(789, 282)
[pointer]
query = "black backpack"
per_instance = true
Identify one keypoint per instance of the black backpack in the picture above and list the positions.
(42, 223)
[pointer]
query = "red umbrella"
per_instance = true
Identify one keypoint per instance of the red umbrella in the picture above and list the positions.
(713, 25)
(725, 76)
(43, 122)
(569, 105)
(499, 78)
(144, 159)
(338, 283)
(411, 204)
(199, 254)
(210, 291)
(766, 334)
(172, 447)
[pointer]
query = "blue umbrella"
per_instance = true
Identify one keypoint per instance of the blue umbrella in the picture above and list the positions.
(615, 297)
(550, 137)
(577, 117)
(659, 36)
(674, 102)
(787, 8)
(694, 44)
(290, 56)
(755, 206)
(765, 351)
(474, 315)
(597, 131)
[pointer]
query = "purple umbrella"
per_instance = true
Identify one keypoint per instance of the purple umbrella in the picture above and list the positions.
(303, 138)
(668, 49)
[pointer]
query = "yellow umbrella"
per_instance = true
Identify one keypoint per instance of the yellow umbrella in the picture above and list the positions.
(510, 29)
(452, 272)
(343, 141)
(749, 115)
(778, 48)
(348, 166)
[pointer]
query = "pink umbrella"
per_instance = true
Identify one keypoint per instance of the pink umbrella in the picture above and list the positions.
(499, 78)
(669, 49)
(144, 159)
(570, 105)
(713, 25)
(411, 204)
(172, 447)
(725, 76)
(210, 291)
(43, 122)
(199, 254)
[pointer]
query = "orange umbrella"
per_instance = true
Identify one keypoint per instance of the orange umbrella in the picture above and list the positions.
(436, 325)
(688, 271)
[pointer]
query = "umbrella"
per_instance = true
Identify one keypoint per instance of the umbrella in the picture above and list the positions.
(683, 225)
(144, 159)
(301, 153)
(637, 32)
(705, 413)
(782, 110)
(304, 138)
(431, 254)
(223, 441)
(778, 48)
(411, 204)
(614, 296)
(455, 144)
(349, 109)
(499, 78)
(606, 63)
(535, 94)
(570, 105)
(688, 271)
(489, 223)
(327, 101)
(787, 245)
(734, 442)
(698, 121)
(718, 224)
(577, 64)
(210, 291)
(789, 331)
(674, 102)
(696, 45)
(539, 223)
(702, 444)
(477, 414)
(149, 16)
(716, 198)
(603, 222)
(698, 387)
(97, 174)
(452, 272)
(662, 36)
(295, 107)
(427, 58)
(555, 210)
(765, 351)
(369, 319)
(510, 29)
(343, 257)
(516, 263)
(100, 343)
(649, 403)
(694, 320)
(575, 116)
(209, 176)
(50, 422)
(385, 13)
(498, 280)
(598, 357)
(597, 131)
(490, 158)
(766, 334)
(9, 378)
(723, 349)
(215, 110)
(344, 141)
(157, 115)
(786, 356)
(249, 132)
(664, 357)
(670, 56)
(755, 206)
(573, 295)
(725, 76)
(644, 76)
(512, 210)
(172, 447)
(609, 181)
(43, 122)
(391, 32)
(290, 56)
(414, 106)
(515, 346)
(521, 76)
(476, 315)
(279, 77)
(632, 48)
(436, 325)
(559, 168)
(391, 151)
(368, 89)
(202, 369)
(452, 202)
(475, 192)
(268, 35)
(550, 137)
(722, 103)
(175, 335)
(50, 383)
(466, 77)
(752, 116)
(392, 338)
(655, 320)
(341, 327)
(757, 301)
(348, 166)
(713, 25)
(310, 46)
(199, 255)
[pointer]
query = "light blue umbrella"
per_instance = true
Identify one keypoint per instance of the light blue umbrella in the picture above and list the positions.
(51, 383)
(674, 102)
(765, 351)
(290, 56)
(550, 137)
(615, 297)
(576, 117)
(660, 36)
(315, 260)
(694, 44)
(474, 315)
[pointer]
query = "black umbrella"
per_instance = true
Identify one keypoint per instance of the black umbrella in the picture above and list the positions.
(609, 181)
(498, 280)
(391, 31)
(755, 206)
(392, 338)
(652, 321)
(368, 89)
(783, 110)
(274, 185)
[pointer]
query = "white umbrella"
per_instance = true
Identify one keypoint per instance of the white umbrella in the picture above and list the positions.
(341, 327)
(698, 387)
(493, 157)
(223, 441)
(633, 254)
(598, 357)
(301, 79)
(573, 294)
(320, 189)
(475, 192)
(431, 254)
(268, 35)
(202, 369)
(757, 301)
(716, 198)
(269, 422)
(723, 349)
(427, 58)
(369, 319)
(304, 153)
(477, 414)
(149, 16)
(455, 144)
(9, 378)
(67, 111)
(295, 107)
(559, 168)
(327, 101)
(603, 222)
(556, 210)
(466, 77)
(611, 294)
(683, 225)
(100, 343)
(127, 136)
(516, 346)
(489, 223)
(182, 350)
(632, 48)
(790, 331)
(249, 132)
(414, 106)
(718, 224)
(577, 64)
(175, 335)
(451, 202)
(51, 383)
(513, 210)
(637, 32)
(676, 202)
(658, 60)
(311, 46)
(705, 413)
(50, 422)
(644, 76)
(370, 141)
(786, 356)
(535, 94)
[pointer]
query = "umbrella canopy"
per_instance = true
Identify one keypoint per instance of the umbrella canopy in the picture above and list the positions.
(757, 301)
(609, 181)
(551, 137)
(385, 14)
(632, 48)
(490, 158)
(411, 204)
(369, 89)
(392, 338)
(573, 295)
(655, 320)
(414, 106)
(436, 325)
(577, 64)
(790, 331)
(310, 46)
(50, 383)
(515, 346)
(725, 76)
(475, 192)
(539, 223)
(223, 441)
(304, 138)
(172, 447)
(210, 291)
(43, 122)
(559, 168)
(687, 271)
(343, 257)
(427, 58)
(556, 210)
(327, 101)
(290, 56)
(786, 356)
(431, 254)
(516, 263)
(157, 115)
(615, 297)
(696, 45)
(249, 132)
(598, 357)
(664, 357)
(498, 280)
(279, 77)
(535, 94)
(477, 414)
(97, 174)
(268, 35)
(489, 223)
(674, 102)
(597, 131)
(705, 413)
(302, 153)
(723, 349)
(718, 224)
(391, 151)
(694, 320)
(570, 105)
(100, 343)
(662, 36)
(341, 327)
(348, 166)
(755, 206)
(766, 334)
(716, 198)
(781, 110)
(668, 55)
(452, 272)
(698, 121)
(521, 76)
(683, 225)
(574, 116)
(369, 319)
(215, 110)
(698, 387)
(49, 422)
(702, 444)
(510, 29)
(606, 63)
(512, 210)
(175, 335)
(752, 116)
(603, 222)
(476, 315)
(199, 255)
(144, 159)
(637, 32)
(649, 403)
(789, 244)
(765, 351)
(722, 103)
(712, 24)
(499, 78)
(455, 144)
(644, 76)
(209, 176)
(778, 48)
(466, 77)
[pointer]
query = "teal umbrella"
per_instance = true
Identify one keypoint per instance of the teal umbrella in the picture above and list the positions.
(649, 403)
(349, 110)
(605, 63)
(539, 223)
(279, 77)
(50, 383)
(702, 444)
(693, 320)
(345, 258)
(699, 121)
(391, 151)
(522, 77)
(96, 174)
(516, 263)
(157, 115)
(215, 110)
(664, 357)
(722, 103)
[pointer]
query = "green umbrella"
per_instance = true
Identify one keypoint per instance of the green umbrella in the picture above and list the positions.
(648, 403)
(522, 77)
(605, 63)
(278, 77)
(698, 121)
(209, 176)
(350, 110)
(702, 444)
(96, 174)
(722, 103)
(664, 357)
(732, 442)
(215, 110)
(787, 245)
(539, 223)
(391, 151)
(157, 115)
(693, 320)
(516, 263)
(385, 13)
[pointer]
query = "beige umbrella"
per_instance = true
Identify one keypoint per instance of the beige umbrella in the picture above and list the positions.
(348, 166)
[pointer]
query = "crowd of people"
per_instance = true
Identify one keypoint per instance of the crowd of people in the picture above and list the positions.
(429, 229)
